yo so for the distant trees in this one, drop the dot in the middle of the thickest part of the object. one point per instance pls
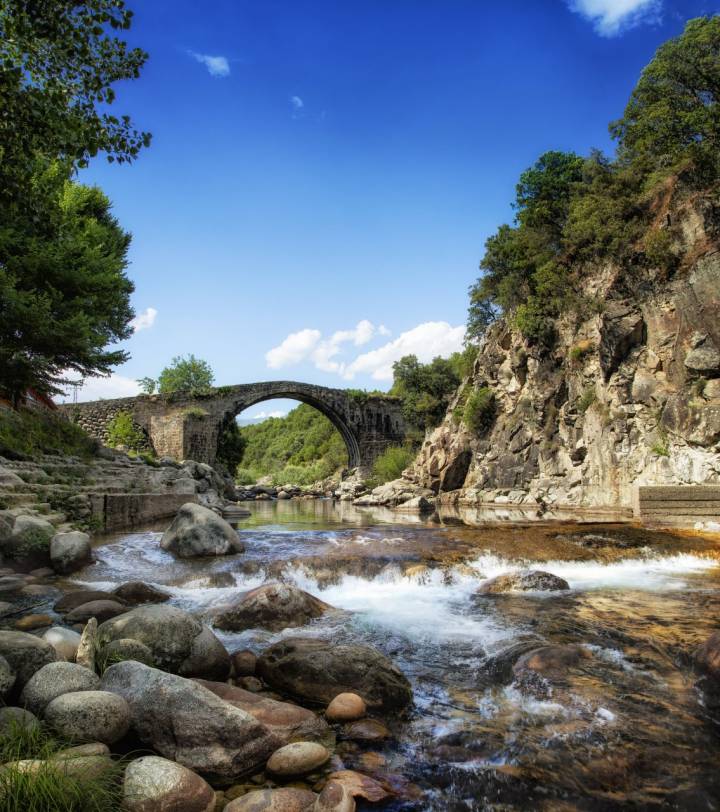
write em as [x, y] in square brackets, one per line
[190, 374]
[571, 210]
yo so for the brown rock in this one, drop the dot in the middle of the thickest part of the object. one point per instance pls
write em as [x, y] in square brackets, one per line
[274, 800]
[71, 600]
[335, 797]
[296, 759]
[366, 730]
[271, 606]
[154, 784]
[551, 661]
[33, 622]
[101, 610]
[243, 663]
[135, 592]
[250, 684]
[525, 581]
[346, 707]
[707, 656]
[361, 786]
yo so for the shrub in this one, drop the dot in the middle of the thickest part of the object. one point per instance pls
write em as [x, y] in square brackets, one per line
[122, 430]
[580, 350]
[479, 411]
[246, 476]
[391, 463]
[586, 400]
[30, 433]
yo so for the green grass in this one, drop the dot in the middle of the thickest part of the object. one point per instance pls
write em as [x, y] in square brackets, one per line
[390, 464]
[31, 433]
[52, 786]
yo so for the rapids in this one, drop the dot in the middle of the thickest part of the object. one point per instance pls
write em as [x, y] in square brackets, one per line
[626, 730]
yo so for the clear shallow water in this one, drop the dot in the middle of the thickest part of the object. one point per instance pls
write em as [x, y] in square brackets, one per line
[626, 730]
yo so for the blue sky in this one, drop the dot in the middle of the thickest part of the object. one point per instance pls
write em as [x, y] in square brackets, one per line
[323, 175]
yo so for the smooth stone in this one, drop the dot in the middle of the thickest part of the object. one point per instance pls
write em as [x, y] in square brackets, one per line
[335, 797]
[101, 610]
[29, 622]
[89, 716]
[296, 759]
[243, 663]
[154, 784]
[366, 730]
[7, 677]
[524, 581]
[70, 551]
[117, 651]
[346, 707]
[198, 531]
[285, 799]
[551, 661]
[17, 717]
[54, 680]
[26, 654]
[270, 606]
[71, 600]
[361, 786]
[137, 592]
[64, 641]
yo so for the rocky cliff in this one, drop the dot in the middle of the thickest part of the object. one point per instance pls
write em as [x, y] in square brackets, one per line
[628, 395]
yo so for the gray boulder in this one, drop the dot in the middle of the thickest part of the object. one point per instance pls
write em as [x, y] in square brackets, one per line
[77, 597]
[318, 670]
[25, 654]
[154, 784]
[64, 641]
[198, 531]
[136, 592]
[102, 610]
[89, 716]
[17, 717]
[179, 642]
[185, 722]
[525, 581]
[54, 680]
[7, 677]
[70, 551]
[117, 651]
[271, 606]
[30, 540]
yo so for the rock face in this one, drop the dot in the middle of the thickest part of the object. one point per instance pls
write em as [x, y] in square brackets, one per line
[286, 721]
[89, 716]
[154, 784]
[54, 680]
[185, 722]
[70, 551]
[317, 671]
[271, 606]
[524, 581]
[198, 531]
[179, 642]
[25, 654]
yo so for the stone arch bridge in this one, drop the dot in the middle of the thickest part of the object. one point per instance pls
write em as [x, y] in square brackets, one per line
[185, 426]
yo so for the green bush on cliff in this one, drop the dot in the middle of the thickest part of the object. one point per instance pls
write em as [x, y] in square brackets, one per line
[122, 430]
[390, 464]
[479, 411]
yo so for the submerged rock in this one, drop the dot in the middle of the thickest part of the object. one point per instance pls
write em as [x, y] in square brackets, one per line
[198, 531]
[551, 661]
[707, 658]
[179, 642]
[524, 581]
[154, 784]
[136, 592]
[184, 721]
[271, 606]
[318, 670]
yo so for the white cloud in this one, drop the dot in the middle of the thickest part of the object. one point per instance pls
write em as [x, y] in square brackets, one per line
[426, 341]
[297, 102]
[144, 320]
[113, 386]
[612, 17]
[217, 66]
[265, 415]
[295, 348]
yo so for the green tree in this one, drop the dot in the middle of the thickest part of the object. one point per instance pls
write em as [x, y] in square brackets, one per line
[64, 295]
[425, 390]
[191, 374]
[122, 430]
[674, 111]
[147, 385]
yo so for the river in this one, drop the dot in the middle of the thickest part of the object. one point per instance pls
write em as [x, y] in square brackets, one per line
[625, 729]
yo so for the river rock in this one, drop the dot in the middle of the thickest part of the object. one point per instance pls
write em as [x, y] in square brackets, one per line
[25, 654]
[707, 657]
[89, 716]
[17, 717]
[198, 531]
[285, 799]
[243, 663]
[335, 797]
[154, 784]
[30, 622]
[137, 592]
[101, 610]
[117, 651]
[346, 708]
[71, 600]
[70, 551]
[361, 786]
[318, 670]
[271, 606]
[64, 641]
[179, 642]
[296, 759]
[287, 721]
[7, 677]
[184, 721]
[551, 661]
[524, 581]
[84, 761]
[498, 667]
[366, 730]
[30, 540]
[53, 680]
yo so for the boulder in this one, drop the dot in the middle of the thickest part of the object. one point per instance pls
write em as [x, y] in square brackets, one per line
[64, 641]
[117, 651]
[418, 504]
[524, 581]
[71, 600]
[53, 680]
[335, 797]
[70, 551]
[198, 531]
[136, 592]
[285, 799]
[551, 661]
[17, 717]
[30, 540]
[179, 642]
[271, 606]
[101, 610]
[346, 708]
[184, 721]
[707, 657]
[287, 721]
[243, 663]
[318, 670]
[7, 678]
[361, 786]
[154, 784]
[296, 759]
[89, 716]
[25, 654]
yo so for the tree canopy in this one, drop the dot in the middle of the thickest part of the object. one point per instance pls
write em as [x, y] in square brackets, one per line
[190, 374]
